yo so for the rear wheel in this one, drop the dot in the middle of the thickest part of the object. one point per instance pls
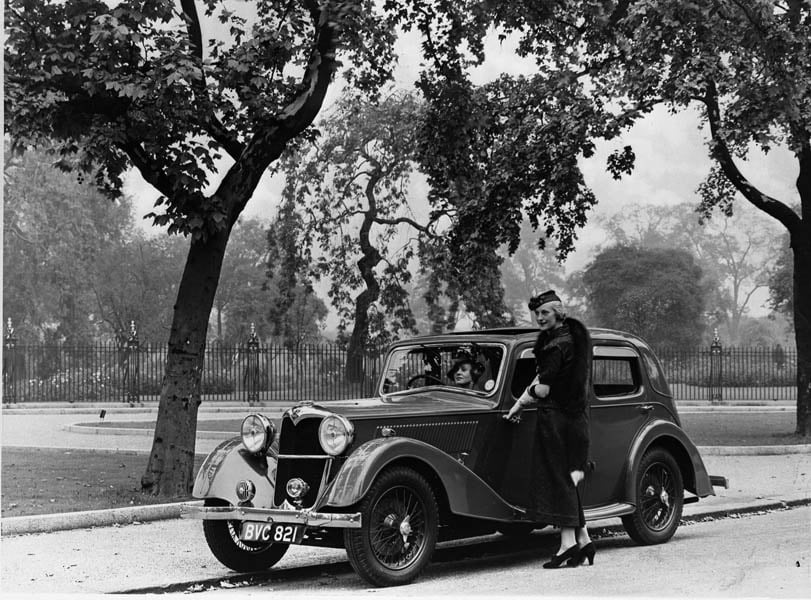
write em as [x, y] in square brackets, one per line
[659, 499]
[223, 540]
[400, 521]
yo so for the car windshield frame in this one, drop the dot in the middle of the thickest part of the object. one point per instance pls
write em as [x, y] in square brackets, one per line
[403, 350]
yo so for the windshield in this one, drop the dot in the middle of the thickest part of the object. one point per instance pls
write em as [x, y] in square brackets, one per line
[469, 366]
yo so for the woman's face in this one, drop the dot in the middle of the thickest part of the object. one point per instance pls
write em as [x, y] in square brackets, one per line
[463, 375]
[546, 317]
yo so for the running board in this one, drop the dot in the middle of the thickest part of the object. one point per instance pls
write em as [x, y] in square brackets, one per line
[607, 512]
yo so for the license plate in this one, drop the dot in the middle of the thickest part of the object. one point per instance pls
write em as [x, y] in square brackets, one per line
[274, 533]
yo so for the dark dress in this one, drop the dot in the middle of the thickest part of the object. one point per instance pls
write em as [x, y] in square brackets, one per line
[563, 358]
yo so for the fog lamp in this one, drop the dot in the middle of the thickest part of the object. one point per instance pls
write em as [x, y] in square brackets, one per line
[246, 490]
[296, 488]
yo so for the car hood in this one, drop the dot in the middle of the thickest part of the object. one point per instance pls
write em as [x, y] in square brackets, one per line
[408, 404]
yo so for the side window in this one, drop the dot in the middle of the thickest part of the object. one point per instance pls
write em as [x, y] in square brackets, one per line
[615, 376]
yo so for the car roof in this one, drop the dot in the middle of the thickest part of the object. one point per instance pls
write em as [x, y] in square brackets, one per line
[520, 333]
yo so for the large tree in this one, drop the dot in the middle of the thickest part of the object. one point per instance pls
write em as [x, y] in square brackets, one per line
[136, 85]
[744, 65]
[352, 187]
[656, 293]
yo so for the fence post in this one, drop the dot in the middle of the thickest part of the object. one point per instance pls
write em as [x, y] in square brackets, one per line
[9, 365]
[251, 377]
[132, 368]
[716, 369]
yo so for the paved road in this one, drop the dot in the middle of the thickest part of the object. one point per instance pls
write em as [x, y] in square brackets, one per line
[755, 555]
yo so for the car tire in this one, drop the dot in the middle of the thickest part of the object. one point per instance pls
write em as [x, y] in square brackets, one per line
[244, 557]
[400, 520]
[659, 499]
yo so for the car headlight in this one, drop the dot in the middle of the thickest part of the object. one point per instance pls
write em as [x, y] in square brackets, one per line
[257, 433]
[335, 434]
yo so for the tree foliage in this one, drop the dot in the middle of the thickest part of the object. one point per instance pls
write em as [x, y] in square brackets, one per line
[58, 237]
[654, 293]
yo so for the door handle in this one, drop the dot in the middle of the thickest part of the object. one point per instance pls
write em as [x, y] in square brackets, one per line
[645, 408]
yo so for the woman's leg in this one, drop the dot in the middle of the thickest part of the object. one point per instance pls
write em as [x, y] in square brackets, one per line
[582, 536]
[568, 538]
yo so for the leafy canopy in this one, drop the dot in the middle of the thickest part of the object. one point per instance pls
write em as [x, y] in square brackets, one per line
[134, 85]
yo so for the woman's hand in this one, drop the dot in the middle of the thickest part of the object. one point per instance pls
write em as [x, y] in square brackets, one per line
[514, 414]
[577, 477]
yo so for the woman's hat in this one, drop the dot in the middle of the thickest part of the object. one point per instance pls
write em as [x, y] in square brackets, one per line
[541, 299]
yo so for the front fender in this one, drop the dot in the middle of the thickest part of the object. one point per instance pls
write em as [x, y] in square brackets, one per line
[671, 437]
[467, 493]
[228, 464]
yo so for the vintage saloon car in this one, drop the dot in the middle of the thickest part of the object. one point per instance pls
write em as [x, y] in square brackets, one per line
[426, 459]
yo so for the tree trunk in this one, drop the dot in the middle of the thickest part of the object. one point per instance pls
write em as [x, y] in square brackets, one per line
[360, 329]
[802, 330]
[170, 470]
[367, 263]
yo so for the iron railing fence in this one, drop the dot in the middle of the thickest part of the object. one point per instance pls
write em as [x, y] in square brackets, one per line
[255, 372]
[250, 373]
[730, 373]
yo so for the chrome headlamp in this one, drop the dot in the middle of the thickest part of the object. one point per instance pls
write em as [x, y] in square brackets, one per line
[257, 433]
[335, 434]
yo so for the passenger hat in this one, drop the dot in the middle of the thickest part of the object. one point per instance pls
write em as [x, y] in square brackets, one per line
[541, 299]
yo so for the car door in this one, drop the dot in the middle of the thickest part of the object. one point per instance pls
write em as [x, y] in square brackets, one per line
[505, 460]
[618, 411]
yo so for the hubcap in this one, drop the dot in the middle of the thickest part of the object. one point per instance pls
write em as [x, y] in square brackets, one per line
[658, 487]
[397, 528]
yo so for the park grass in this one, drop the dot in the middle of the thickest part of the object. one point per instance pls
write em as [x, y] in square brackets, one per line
[45, 481]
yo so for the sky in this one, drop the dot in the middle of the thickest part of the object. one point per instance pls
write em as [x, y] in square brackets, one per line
[671, 162]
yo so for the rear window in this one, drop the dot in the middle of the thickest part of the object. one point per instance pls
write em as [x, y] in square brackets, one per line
[655, 373]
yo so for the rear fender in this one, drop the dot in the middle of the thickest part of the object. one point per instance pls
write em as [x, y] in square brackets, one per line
[466, 492]
[672, 438]
[228, 464]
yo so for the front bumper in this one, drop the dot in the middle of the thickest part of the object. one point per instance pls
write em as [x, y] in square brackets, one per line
[271, 515]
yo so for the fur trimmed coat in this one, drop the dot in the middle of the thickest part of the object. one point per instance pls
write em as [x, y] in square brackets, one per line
[563, 362]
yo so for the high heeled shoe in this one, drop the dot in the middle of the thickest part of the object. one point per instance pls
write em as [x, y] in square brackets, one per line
[567, 556]
[586, 552]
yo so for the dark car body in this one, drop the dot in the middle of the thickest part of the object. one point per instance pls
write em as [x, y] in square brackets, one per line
[450, 450]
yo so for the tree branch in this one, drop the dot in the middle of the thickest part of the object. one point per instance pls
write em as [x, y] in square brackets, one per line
[720, 151]
[214, 126]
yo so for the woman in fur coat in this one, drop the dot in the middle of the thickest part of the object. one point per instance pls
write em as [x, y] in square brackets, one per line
[561, 391]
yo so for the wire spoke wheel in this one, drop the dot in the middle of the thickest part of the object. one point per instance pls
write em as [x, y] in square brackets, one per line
[659, 499]
[400, 522]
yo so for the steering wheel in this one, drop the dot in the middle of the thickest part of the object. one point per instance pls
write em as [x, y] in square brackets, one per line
[429, 380]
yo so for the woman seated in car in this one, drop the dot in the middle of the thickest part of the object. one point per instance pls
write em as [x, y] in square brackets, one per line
[465, 371]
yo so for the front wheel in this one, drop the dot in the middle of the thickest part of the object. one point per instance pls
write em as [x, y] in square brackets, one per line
[244, 557]
[659, 499]
[400, 521]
